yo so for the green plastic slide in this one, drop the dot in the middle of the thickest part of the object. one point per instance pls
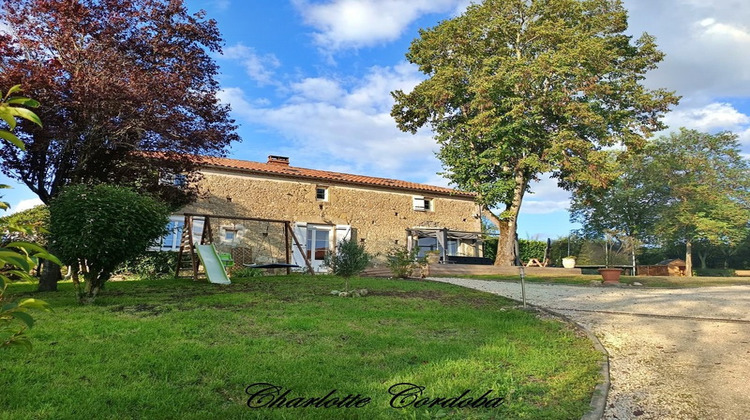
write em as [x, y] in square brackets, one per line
[212, 264]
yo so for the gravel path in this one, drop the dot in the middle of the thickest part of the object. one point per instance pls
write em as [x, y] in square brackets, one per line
[674, 353]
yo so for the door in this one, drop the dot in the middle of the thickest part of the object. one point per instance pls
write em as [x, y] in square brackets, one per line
[315, 240]
[317, 244]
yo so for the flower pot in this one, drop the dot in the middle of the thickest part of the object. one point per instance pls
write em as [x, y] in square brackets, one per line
[611, 275]
[568, 262]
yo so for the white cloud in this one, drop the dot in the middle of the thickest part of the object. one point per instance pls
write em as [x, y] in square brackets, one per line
[334, 125]
[361, 23]
[222, 5]
[260, 68]
[743, 137]
[342, 124]
[373, 93]
[704, 42]
[724, 32]
[462, 5]
[318, 89]
[710, 118]
[544, 206]
[545, 197]
[24, 205]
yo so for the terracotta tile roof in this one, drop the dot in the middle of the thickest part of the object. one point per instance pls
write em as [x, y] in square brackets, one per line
[287, 171]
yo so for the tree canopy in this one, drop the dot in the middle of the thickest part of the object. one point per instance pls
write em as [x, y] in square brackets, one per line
[520, 88]
[709, 189]
[36, 222]
[688, 187]
[116, 78]
[628, 208]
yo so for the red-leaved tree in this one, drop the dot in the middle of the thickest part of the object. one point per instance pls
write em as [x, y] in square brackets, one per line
[117, 80]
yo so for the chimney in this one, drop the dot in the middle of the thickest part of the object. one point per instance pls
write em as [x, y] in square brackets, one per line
[278, 160]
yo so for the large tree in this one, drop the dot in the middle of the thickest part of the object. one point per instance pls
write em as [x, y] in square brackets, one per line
[118, 80]
[113, 77]
[687, 188]
[517, 88]
[708, 181]
[628, 208]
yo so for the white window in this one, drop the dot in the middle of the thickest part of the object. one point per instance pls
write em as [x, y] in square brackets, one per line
[321, 193]
[422, 204]
[177, 180]
[171, 240]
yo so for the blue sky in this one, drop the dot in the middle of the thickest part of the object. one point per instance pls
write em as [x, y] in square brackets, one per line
[311, 80]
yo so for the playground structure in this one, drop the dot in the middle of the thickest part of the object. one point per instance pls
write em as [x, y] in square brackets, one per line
[212, 264]
[236, 242]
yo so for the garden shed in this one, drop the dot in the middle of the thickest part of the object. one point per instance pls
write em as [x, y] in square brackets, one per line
[674, 267]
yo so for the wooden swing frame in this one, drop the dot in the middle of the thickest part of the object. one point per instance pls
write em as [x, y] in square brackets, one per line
[187, 253]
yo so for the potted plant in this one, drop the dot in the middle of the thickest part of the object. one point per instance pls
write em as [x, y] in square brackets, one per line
[433, 257]
[569, 261]
[609, 274]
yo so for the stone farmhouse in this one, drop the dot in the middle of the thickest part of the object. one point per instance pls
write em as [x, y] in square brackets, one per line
[324, 208]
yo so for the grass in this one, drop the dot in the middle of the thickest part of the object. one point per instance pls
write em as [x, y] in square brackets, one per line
[180, 349]
[646, 281]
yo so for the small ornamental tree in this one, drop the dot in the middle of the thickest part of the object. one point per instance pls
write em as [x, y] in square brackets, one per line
[349, 260]
[94, 229]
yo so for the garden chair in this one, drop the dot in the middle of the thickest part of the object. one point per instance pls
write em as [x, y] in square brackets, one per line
[226, 259]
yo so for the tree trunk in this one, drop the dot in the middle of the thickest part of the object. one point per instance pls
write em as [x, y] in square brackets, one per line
[703, 256]
[49, 277]
[689, 259]
[508, 223]
[506, 241]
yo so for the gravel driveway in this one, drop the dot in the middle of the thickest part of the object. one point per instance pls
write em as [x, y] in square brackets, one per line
[674, 353]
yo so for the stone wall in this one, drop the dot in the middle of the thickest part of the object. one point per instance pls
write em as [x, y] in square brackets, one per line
[380, 217]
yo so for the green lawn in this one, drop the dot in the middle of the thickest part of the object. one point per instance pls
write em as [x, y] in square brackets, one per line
[180, 349]
[647, 281]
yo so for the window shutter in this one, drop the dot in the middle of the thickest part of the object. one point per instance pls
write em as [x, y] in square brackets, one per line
[419, 203]
[300, 231]
[343, 232]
